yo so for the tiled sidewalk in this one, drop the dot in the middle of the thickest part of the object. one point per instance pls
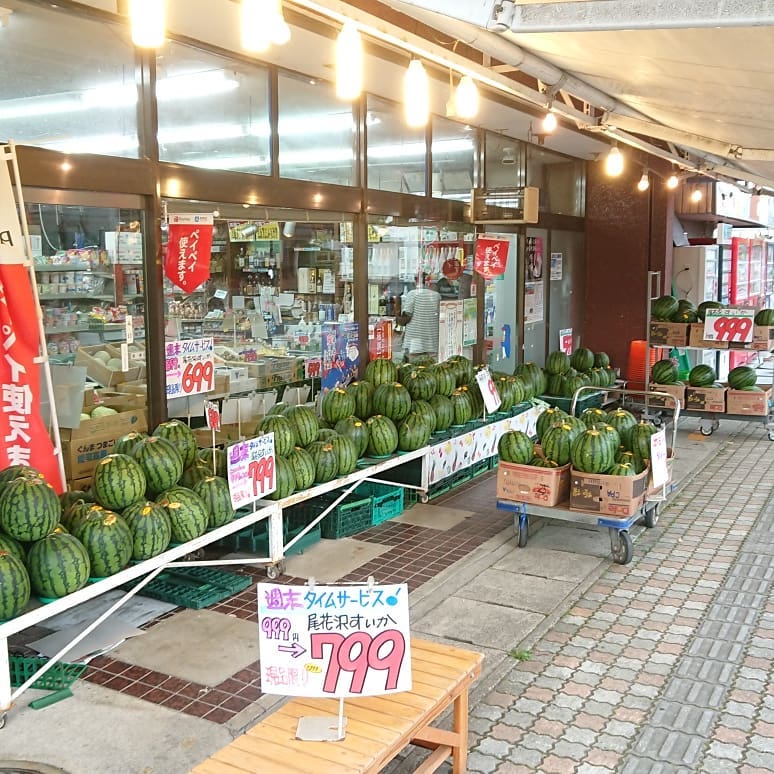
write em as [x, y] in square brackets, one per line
[664, 665]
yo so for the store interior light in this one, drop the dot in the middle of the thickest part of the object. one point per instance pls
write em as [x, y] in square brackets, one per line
[147, 19]
[349, 63]
[263, 24]
[672, 182]
[5, 15]
[614, 162]
[549, 122]
[696, 195]
[644, 182]
[416, 95]
[466, 98]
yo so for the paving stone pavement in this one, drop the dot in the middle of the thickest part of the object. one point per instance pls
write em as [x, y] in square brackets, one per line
[665, 664]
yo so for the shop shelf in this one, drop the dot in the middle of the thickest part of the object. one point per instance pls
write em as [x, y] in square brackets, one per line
[586, 400]
[62, 675]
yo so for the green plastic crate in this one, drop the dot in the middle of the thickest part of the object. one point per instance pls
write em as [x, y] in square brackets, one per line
[460, 477]
[386, 500]
[439, 488]
[62, 675]
[591, 399]
[302, 544]
[183, 588]
[493, 460]
[228, 581]
[348, 518]
[479, 468]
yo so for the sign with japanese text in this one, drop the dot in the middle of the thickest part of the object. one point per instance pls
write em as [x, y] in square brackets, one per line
[251, 470]
[491, 256]
[340, 354]
[492, 399]
[659, 472]
[449, 329]
[190, 365]
[469, 322]
[380, 339]
[534, 257]
[334, 641]
[25, 438]
[187, 261]
[734, 325]
[565, 341]
[212, 415]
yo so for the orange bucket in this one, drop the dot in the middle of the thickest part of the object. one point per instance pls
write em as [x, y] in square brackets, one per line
[638, 362]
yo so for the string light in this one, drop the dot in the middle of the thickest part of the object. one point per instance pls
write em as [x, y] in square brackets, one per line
[549, 122]
[466, 98]
[147, 22]
[614, 162]
[696, 195]
[349, 63]
[263, 24]
[672, 182]
[416, 95]
[644, 182]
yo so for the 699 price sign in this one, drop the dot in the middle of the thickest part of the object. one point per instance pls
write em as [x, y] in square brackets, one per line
[190, 366]
[334, 641]
[251, 470]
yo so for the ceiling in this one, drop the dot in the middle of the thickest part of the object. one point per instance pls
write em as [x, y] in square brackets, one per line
[695, 77]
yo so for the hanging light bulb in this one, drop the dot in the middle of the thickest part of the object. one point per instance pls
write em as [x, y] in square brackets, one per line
[466, 98]
[349, 63]
[614, 162]
[416, 94]
[644, 181]
[256, 31]
[672, 182]
[696, 195]
[147, 21]
[549, 122]
[280, 30]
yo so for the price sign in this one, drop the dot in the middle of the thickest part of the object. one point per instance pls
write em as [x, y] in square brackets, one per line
[212, 415]
[334, 640]
[489, 392]
[733, 325]
[190, 367]
[129, 329]
[251, 470]
[659, 473]
[565, 341]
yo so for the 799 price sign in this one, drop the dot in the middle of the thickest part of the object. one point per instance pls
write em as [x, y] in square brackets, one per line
[251, 470]
[731, 325]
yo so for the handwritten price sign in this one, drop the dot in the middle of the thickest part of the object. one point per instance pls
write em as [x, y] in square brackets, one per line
[733, 325]
[334, 640]
[190, 366]
[489, 392]
[251, 470]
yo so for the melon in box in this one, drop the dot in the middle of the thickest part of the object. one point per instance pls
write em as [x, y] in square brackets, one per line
[619, 496]
[530, 484]
[103, 365]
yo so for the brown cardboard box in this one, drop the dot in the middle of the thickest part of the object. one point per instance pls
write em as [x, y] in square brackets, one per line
[99, 372]
[529, 484]
[84, 447]
[705, 399]
[613, 495]
[669, 334]
[696, 338]
[121, 401]
[754, 404]
[763, 337]
[677, 391]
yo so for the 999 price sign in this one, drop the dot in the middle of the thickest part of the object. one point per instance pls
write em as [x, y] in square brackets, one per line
[334, 640]
[190, 367]
[732, 325]
[251, 470]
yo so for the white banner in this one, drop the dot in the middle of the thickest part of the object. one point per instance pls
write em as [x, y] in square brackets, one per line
[11, 241]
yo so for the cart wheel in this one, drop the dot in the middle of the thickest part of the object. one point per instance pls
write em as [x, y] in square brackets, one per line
[650, 516]
[771, 435]
[522, 530]
[623, 549]
[715, 424]
[424, 498]
[705, 430]
[657, 421]
[273, 571]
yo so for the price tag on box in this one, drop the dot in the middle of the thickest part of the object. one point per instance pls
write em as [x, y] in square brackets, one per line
[732, 325]
[659, 471]
[251, 470]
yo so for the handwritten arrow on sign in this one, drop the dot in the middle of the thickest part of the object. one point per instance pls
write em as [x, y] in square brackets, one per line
[295, 650]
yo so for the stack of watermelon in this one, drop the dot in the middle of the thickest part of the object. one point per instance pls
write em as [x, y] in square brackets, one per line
[670, 309]
[564, 374]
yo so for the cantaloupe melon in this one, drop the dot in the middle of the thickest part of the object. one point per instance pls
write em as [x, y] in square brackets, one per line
[114, 364]
[102, 355]
[102, 411]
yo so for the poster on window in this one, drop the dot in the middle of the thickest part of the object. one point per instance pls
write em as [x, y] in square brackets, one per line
[340, 354]
[534, 258]
[533, 302]
[450, 324]
[469, 321]
[187, 262]
[491, 255]
[556, 266]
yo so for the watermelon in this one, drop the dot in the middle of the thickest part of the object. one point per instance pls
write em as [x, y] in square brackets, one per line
[557, 363]
[573, 384]
[541, 462]
[420, 383]
[601, 360]
[476, 399]
[150, 527]
[444, 411]
[392, 400]
[119, 481]
[337, 404]
[284, 478]
[741, 377]
[181, 437]
[346, 454]
[663, 308]
[126, 443]
[382, 436]
[381, 371]
[515, 446]
[220, 466]
[445, 378]
[702, 376]
[684, 315]
[18, 471]
[194, 473]
[82, 515]
[461, 405]
[363, 393]
[547, 418]
[14, 585]
[29, 508]
[533, 378]
[592, 416]
[7, 543]
[664, 372]
[413, 432]
[355, 429]
[463, 368]
[623, 421]
[216, 496]
[284, 433]
[623, 469]
[304, 423]
[582, 359]
[187, 513]
[108, 542]
[73, 496]
[640, 440]
[764, 317]
[326, 463]
[591, 452]
[426, 411]
[160, 462]
[556, 385]
[625, 456]
[557, 443]
[701, 309]
[303, 468]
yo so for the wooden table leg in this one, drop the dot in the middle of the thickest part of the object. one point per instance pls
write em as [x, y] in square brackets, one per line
[460, 753]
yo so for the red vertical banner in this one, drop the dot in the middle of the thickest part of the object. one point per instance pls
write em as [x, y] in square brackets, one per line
[380, 340]
[187, 261]
[491, 256]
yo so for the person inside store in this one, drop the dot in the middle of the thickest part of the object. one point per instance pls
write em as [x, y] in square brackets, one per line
[420, 310]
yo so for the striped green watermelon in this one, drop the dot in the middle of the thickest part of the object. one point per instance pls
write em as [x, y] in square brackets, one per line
[326, 434]
[278, 408]
[601, 360]
[220, 467]
[573, 384]
[557, 363]
[476, 399]
[623, 469]
[592, 416]
[160, 462]
[582, 359]
[73, 496]
[14, 586]
[216, 495]
[701, 309]
[381, 371]
[58, 565]
[548, 418]
[326, 464]
[463, 367]
[303, 468]
[556, 385]
[29, 508]
[623, 421]
[515, 446]
[18, 471]
[542, 462]
[13, 546]
[684, 315]
[533, 377]
[425, 410]
[363, 393]
[346, 454]
[108, 542]
[420, 382]
[663, 308]
[126, 443]
[284, 479]
[118, 481]
[505, 389]
[591, 452]
[741, 377]
[382, 436]
[624, 456]
[444, 411]
[80, 515]
[640, 439]
[610, 434]
[764, 317]
[150, 527]
[337, 404]
[392, 400]
[355, 429]
[304, 424]
[557, 443]
[284, 433]
[445, 378]
[461, 405]
[702, 376]
[187, 513]
[664, 372]
[413, 432]
[195, 473]
[181, 437]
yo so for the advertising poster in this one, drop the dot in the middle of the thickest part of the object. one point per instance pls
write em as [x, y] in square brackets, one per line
[449, 330]
[340, 354]
[334, 640]
[469, 322]
[190, 366]
[534, 258]
[380, 339]
[533, 302]
[491, 256]
[565, 341]
[187, 262]
[556, 266]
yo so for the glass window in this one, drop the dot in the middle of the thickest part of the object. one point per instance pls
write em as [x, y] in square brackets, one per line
[504, 163]
[316, 132]
[68, 83]
[396, 152]
[453, 150]
[561, 180]
[213, 112]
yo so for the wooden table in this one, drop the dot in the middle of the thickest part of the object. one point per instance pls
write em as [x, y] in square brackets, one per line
[378, 727]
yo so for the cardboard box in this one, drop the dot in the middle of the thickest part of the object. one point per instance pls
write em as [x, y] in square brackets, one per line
[754, 404]
[120, 401]
[696, 338]
[677, 391]
[763, 337]
[529, 484]
[669, 334]
[613, 495]
[99, 372]
[85, 446]
[705, 399]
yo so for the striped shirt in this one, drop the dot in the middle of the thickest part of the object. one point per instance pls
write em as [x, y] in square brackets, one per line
[421, 334]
